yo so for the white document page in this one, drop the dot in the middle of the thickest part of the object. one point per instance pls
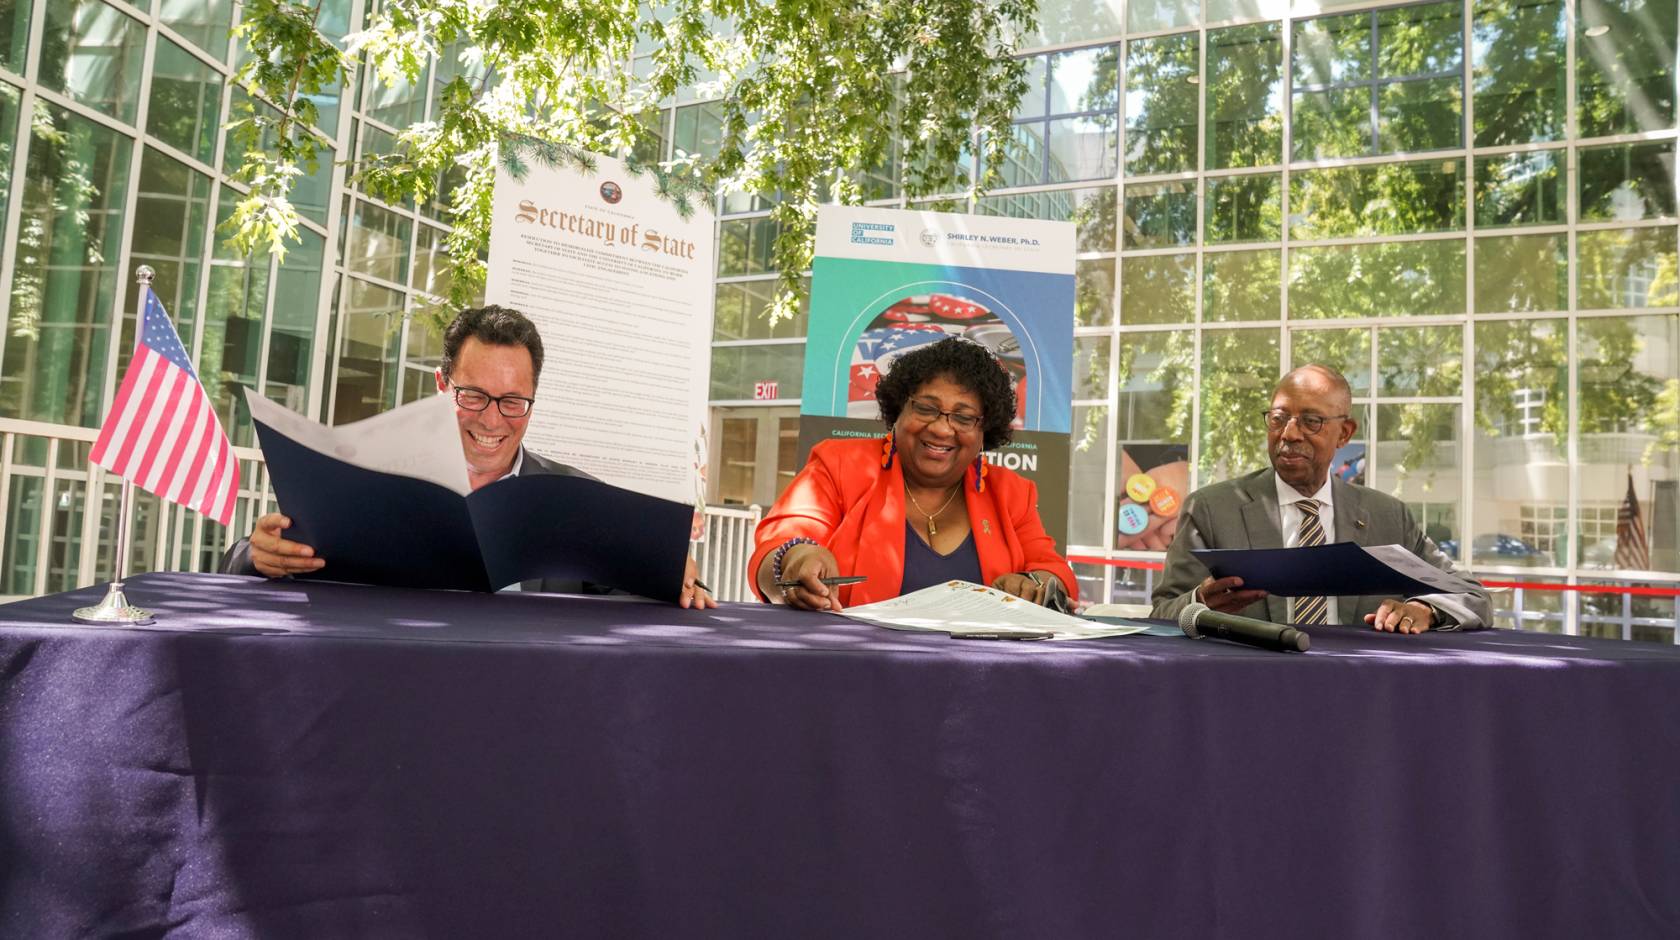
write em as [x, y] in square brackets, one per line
[419, 440]
[1410, 565]
[962, 608]
[620, 287]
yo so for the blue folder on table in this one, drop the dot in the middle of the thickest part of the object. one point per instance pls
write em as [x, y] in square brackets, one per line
[387, 529]
[1337, 569]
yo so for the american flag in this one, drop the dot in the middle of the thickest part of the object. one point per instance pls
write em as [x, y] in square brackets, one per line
[1632, 550]
[162, 433]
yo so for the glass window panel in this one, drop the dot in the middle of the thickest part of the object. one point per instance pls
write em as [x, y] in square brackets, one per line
[171, 212]
[742, 312]
[1242, 285]
[1142, 15]
[1423, 278]
[1081, 149]
[23, 535]
[365, 368]
[1627, 182]
[1093, 296]
[1085, 80]
[310, 191]
[1624, 66]
[1421, 361]
[1244, 209]
[1152, 419]
[1521, 189]
[1420, 115]
[737, 459]
[1333, 123]
[291, 336]
[1161, 104]
[1032, 103]
[64, 553]
[1239, 368]
[1090, 367]
[378, 243]
[65, 275]
[1062, 21]
[185, 97]
[1521, 423]
[1023, 163]
[1219, 11]
[1332, 50]
[746, 246]
[1346, 351]
[1091, 210]
[1426, 39]
[1522, 273]
[1628, 379]
[1245, 88]
[1626, 268]
[1158, 289]
[433, 271]
[398, 103]
[1087, 473]
[736, 369]
[8, 146]
[233, 326]
[1418, 462]
[1519, 62]
[1160, 215]
[92, 53]
[699, 129]
[1386, 199]
[204, 23]
[14, 35]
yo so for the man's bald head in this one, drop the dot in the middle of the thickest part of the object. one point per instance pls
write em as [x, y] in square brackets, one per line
[1314, 374]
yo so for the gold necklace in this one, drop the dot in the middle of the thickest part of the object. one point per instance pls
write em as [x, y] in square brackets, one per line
[933, 530]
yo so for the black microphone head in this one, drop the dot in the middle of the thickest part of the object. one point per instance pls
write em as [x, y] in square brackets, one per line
[1187, 619]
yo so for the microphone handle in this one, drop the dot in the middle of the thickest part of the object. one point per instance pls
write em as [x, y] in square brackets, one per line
[1253, 632]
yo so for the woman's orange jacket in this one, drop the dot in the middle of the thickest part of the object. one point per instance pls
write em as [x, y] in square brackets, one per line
[855, 509]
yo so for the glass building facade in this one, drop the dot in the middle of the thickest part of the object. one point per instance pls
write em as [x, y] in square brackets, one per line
[1467, 206]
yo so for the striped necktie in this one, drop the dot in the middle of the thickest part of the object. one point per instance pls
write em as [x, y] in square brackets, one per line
[1309, 610]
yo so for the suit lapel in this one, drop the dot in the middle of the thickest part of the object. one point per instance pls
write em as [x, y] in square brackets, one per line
[1260, 522]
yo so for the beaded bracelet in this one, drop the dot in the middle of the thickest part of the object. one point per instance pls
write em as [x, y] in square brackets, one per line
[782, 550]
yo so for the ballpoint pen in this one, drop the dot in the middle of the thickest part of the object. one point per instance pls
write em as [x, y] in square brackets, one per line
[1007, 635]
[831, 582]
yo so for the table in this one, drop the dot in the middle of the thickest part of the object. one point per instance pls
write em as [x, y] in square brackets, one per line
[290, 759]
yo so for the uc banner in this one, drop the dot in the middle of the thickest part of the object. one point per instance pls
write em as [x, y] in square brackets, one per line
[885, 281]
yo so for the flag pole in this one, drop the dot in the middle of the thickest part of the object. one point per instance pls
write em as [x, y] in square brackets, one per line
[114, 608]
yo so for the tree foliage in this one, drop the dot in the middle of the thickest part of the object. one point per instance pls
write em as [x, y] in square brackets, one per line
[811, 93]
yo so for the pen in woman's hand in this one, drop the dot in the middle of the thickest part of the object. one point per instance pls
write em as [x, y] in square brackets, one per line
[831, 582]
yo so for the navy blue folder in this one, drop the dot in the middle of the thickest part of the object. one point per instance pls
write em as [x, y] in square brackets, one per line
[382, 528]
[1340, 568]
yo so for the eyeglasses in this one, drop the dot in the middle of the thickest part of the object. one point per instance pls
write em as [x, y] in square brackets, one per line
[477, 399]
[1278, 419]
[928, 413]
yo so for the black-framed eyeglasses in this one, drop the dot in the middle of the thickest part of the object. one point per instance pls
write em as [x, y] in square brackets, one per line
[1277, 419]
[928, 413]
[477, 399]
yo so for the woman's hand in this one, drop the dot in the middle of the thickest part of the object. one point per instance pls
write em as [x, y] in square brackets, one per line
[1023, 586]
[808, 564]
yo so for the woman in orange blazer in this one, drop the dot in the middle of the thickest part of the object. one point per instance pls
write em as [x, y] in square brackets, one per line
[918, 507]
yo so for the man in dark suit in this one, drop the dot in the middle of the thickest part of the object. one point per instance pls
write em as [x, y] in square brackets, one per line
[491, 359]
[1298, 502]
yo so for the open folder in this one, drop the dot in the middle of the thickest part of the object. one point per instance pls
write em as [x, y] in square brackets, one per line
[1340, 568]
[386, 501]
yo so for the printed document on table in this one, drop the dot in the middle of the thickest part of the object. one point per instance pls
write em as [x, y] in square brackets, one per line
[419, 440]
[961, 608]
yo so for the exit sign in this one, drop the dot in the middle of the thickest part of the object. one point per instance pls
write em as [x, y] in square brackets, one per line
[765, 391]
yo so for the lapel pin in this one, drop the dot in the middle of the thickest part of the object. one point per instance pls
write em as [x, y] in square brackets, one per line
[1359, 523]
[986, 526]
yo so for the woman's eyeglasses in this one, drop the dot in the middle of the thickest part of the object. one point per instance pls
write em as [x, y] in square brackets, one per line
[928, 413]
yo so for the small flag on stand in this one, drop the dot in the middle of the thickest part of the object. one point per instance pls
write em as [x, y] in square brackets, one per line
[1632, 549]
[162, 433]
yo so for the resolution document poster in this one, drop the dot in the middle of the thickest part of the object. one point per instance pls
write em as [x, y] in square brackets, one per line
[885, 281]
[620, 286]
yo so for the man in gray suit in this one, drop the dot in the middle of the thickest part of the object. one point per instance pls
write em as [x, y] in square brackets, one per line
[1298, 502]
[491, 359]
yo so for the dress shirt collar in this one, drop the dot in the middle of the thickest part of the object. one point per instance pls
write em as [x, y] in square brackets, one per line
[518, 461]
[1289, 496]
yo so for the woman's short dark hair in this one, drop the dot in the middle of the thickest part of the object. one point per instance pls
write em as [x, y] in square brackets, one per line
[966, 363]
[493, 326]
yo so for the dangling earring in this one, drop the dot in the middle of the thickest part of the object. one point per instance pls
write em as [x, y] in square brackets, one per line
[888, 449]
[980, 474]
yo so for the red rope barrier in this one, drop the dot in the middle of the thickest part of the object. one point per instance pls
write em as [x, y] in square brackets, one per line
[1635, 590]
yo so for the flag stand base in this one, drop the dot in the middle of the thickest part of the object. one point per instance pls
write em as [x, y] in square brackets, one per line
[113, 609]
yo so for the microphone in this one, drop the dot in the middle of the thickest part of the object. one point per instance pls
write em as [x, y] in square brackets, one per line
[1197, 620]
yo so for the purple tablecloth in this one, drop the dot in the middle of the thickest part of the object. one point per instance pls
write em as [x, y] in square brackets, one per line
[319, 760]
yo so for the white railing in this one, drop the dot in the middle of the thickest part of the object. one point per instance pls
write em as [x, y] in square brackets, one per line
[722, 555]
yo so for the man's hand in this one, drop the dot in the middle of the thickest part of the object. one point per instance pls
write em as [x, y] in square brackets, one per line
[1022, 586]
[1226, 595]
[1400, 616]
[693, 595]
[808, 564]
[277, 557]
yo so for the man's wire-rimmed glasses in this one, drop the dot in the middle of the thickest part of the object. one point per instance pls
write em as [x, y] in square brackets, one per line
[1277, 419]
